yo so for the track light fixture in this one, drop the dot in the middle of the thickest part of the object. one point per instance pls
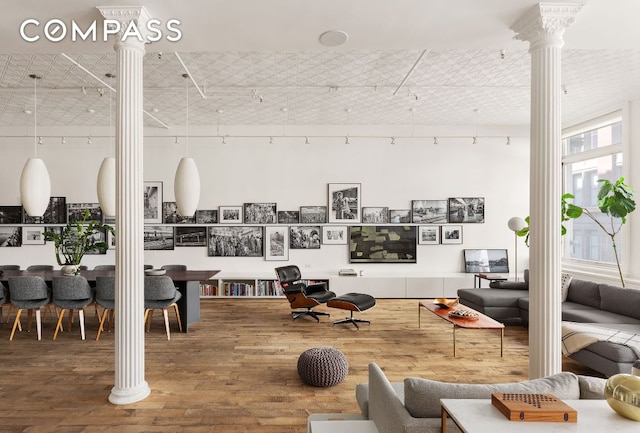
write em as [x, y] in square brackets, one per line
[475, 140]
[346, 140]
[270, 140]
[508, 141]
[435, 140]
[393, 140]
[306, 140]
[224, 141]
[90, 140]
[40, 140]
[64, 140]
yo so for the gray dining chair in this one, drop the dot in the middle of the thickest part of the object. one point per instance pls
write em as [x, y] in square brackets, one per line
[40, 268]
[175, 267]
[4, 298]
[28, 293]
[104, 268]
[106, 298]
[71, 293]
[9, 267]
[160, 293]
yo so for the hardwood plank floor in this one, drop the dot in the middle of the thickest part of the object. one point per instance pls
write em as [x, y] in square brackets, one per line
[236, 369]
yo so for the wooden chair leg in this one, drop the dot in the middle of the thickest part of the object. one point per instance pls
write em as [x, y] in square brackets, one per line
[39, 323]
[81, 320]
[146, 317]
[59, 324]
[102, 319]
[30, 316]
[165, 314]
[175, 308]
[15, 323]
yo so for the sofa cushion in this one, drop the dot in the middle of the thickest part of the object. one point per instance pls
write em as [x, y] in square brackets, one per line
[584, 292]
[512, 285]
[619, 300]
[422, 396]
[591, 388]
[362, 395]
[593, 315]
[492, 297]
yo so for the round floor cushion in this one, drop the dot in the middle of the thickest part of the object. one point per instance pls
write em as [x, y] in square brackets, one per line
[323, 366]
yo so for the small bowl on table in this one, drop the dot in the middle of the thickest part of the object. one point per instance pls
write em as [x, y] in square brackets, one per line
[446, 302]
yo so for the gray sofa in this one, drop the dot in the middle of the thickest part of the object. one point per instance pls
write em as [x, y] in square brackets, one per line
[413, 406]
[587, 302]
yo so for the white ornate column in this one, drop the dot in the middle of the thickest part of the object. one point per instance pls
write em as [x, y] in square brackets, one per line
[543, 27]
[130, 385]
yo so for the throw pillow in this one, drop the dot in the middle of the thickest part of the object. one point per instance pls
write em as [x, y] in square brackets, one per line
[566, 280]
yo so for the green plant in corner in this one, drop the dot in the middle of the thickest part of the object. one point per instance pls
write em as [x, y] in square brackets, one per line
[76, 239]
[615, 200]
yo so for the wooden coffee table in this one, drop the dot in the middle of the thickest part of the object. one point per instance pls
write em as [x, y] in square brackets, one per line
[482, 321]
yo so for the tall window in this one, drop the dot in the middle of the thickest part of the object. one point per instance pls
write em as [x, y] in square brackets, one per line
[592, 151]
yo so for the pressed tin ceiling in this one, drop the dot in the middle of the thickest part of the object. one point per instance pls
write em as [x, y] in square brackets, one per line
[251, 63]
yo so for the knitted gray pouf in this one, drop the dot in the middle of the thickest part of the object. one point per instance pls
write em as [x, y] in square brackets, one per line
[323, 366]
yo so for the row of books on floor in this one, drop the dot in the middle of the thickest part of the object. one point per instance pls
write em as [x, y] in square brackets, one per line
[229, 288]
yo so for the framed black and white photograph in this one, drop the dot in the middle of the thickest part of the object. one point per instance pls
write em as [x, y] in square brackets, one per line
[153, 202]
[10, 214]
[375, 215]
[276, 243]
[111, 239]
[334, 235]
[344, 202]
[288, 217]
[260, 213]
[313, 214]
[486, 260]
[158, 238]
[230, 214]
[429, 235]
[98, 235]
[451, 234]
[206, 216]
[56, 213]
[429, 211]
[33, 235]
[190, 236]
[75, 212]
[234, 241]
[400, 216]
[466, 209]
[304, 237]
[170, 214]
[10, 236]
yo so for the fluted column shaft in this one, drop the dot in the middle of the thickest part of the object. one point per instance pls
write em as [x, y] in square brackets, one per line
[130, 385]
[543, 26]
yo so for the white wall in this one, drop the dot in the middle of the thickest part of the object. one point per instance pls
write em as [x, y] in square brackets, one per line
[294, 174]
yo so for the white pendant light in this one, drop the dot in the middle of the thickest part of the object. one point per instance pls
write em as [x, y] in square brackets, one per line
[106, 184]
[186, 185]
[35, 187]
[35, 184]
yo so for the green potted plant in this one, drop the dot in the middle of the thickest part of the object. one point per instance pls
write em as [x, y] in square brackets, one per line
[75, 240]
[615, 199]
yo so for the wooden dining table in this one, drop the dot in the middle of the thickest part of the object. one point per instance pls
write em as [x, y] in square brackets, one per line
[187, 282]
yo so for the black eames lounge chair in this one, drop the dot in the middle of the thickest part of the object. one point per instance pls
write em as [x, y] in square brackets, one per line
[301, 295]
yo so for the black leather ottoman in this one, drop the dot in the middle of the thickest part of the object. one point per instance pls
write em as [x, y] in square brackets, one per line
[352, 302]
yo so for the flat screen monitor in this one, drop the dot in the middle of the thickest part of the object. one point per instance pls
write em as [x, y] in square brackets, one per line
[382, 244]
[486, 260]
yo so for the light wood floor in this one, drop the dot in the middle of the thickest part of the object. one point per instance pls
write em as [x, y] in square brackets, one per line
[236, 369]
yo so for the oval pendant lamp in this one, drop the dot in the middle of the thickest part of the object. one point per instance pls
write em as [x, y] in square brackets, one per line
[186, 185]
[35, 184]
[106, 184]
[35, 187]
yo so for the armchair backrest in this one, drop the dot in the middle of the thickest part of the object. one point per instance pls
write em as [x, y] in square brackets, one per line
[288, 274]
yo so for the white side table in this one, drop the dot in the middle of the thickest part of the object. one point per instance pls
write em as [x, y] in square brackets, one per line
[339, 423]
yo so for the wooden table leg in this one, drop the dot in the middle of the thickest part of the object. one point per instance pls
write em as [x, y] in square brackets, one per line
[454, 340]
[501, 341]
[443, 420]
[418, 314]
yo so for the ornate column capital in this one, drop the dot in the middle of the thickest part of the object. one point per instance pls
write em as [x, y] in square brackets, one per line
[545, 23]
[129, 23]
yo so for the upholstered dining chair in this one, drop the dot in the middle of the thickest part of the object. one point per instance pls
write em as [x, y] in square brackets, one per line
[301, 295]
[106, 298]
[104, 268]
[159, 294]
[175, 267]
[4, 298]
[71, 293]
[28, 293]
[40, 268]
